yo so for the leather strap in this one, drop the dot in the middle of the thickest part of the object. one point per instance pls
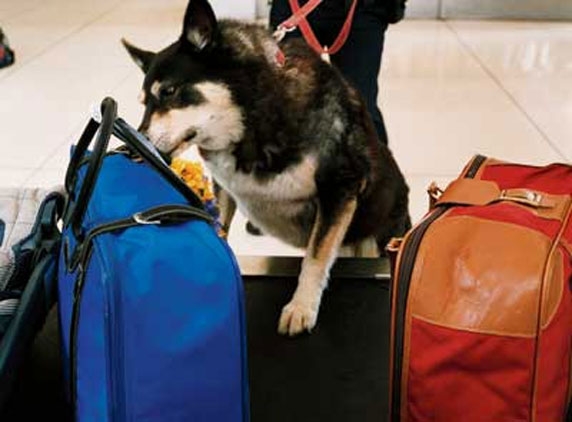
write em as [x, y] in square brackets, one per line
[474, 192]
[568, 246]
[299, 15]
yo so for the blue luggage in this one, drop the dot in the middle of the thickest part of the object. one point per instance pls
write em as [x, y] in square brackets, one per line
[150, 298]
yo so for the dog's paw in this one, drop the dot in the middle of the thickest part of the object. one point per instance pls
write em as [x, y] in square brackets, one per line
[296, 318]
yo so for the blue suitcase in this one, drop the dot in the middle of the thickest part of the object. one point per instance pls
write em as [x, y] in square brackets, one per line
[150, 298]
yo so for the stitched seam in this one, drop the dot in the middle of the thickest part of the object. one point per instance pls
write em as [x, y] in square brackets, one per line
[551, 255]
[472, 330]
[555, 310]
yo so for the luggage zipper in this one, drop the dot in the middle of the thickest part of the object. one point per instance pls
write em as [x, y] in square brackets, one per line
[406, 265]
[165, 214]
[242, 319]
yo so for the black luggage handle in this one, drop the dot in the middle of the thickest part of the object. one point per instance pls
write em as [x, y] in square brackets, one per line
[76, 206]
[143, 147]
[110, 124]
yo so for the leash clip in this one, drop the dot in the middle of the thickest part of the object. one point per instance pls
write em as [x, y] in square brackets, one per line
[325, 55]
[281, 32]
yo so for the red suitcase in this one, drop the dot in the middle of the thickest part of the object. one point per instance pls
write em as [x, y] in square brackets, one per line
[482, 302]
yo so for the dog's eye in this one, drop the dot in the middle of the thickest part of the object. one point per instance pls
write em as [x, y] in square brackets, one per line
[168, 91]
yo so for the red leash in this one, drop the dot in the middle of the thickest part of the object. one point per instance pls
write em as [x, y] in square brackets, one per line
[299, 15]
[299, 19]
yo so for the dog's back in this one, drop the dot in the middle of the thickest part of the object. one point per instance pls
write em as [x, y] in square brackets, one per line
[306, 108]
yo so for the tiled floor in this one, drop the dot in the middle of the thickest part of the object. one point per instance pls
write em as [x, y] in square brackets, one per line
[449, 90]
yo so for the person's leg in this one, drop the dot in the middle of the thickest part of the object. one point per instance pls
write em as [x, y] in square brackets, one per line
[279, 12]
[360, 61]
[360, 58]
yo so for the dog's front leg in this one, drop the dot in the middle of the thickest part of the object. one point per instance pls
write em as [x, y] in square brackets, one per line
[226, 206]
[327, 236]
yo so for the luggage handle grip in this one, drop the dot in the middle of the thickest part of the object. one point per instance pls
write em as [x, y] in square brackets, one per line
[76, 206]
[105, 119]
[472, 192]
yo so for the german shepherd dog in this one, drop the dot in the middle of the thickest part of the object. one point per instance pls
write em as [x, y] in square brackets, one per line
[291, 144]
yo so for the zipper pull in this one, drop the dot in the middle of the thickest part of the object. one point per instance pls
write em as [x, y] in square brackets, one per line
[79, 281]
[392, 250]
[435, 193]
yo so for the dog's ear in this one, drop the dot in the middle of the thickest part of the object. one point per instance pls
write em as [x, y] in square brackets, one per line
[199, 26]
[142, 58]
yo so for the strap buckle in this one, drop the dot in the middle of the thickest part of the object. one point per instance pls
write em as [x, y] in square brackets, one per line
[139, 218]
[523, 196]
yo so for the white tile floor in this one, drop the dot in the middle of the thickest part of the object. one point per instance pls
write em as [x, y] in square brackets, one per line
[449, 90]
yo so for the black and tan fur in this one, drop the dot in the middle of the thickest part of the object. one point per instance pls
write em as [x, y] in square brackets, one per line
[292, 146]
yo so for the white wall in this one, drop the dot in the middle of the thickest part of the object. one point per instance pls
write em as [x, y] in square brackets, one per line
[262, 8]
[236, 9]
[509, 9]
[490, 9]
[422, 9]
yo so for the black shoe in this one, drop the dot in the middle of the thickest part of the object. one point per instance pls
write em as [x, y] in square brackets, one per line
[252, 229]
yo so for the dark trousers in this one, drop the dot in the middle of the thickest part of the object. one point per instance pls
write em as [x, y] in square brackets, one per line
[359, 60]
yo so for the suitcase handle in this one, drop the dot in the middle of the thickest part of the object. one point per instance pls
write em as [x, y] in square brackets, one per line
[145, 149]
[109, 124]
[76, 206]
[475, 192]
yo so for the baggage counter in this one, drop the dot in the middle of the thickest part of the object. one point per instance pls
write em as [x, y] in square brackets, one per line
[339, 372]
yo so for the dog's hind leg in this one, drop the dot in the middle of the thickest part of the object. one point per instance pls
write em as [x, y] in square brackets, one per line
[397, 224]
[326, 238]
[366, 248]
[226, 206]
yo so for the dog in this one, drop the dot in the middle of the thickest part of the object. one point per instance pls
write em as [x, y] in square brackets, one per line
[290, 143]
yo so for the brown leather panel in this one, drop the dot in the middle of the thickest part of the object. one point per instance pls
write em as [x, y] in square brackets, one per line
[470, 192]
[479, 275]
[553, 288]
